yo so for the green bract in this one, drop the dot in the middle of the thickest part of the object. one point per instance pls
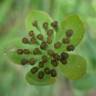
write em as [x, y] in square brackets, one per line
[75, 68]
[47, 48]
[40, 17]
[11, 51]
[74, 23]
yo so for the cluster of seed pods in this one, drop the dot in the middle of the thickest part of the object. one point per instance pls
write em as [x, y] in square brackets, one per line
[46, 54]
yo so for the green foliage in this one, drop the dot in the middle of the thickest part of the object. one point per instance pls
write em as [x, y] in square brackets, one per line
[41, 18]
[13, 14]
[75, 68]
[74, 23]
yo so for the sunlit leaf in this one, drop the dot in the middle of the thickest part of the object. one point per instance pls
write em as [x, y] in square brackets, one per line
[11, 51]
[75, 68]
[74, 23]
[41, 18]
[71, 23]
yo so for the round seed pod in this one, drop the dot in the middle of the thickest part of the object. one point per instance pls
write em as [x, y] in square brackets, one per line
[50, 52]
[31, 33]
[25, 40]
[41, 64]
[26, 51]
[49, 39]
[32, 61]
[33, 40]
[54, 62]
[50, 32]
[53, 72]
[44, 59]
[64, 56]
[43, 45]
[34, 70]
[66, 40]
[47, 70]
[54, 25]
[56, 56]
[20, 51]
[35, 23]
[40, 37]
[57, 45]
[24, 61]
[36, 51]
[70, 47]
[69, 33]
[40, 75]
[45, 25]
[63, 61]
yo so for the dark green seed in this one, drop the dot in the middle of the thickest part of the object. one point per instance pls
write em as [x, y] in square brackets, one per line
[45, 26]
[50, 32]
[31, 33]
[66, 40]
[69, 33]
[70, 47]
[63, 61]
[49, 39]
[57, 45]
[26, 51]
[44, 59]
[40, 75]
[33, 40]
[43, 45]
[64, 55]
[20, 51]
[53, 73]
[32, 61]
[54, 25]
[36, 51]
[50, 52]
[24, 61]
[34, 69]
[54, 62]
[40, 37]
[35, 24]
[47, 70]
[41, 64]
[56, 56]
[25, 40]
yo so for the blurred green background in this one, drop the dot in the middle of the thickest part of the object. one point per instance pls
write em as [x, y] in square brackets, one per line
[12, 17]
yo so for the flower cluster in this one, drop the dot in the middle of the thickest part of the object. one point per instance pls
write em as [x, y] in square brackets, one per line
[51, 46]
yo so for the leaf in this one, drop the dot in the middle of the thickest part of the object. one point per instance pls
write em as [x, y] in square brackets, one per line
[41, 18]
[74, 23]
[33, 80]
[75, 68]
[11, 51]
